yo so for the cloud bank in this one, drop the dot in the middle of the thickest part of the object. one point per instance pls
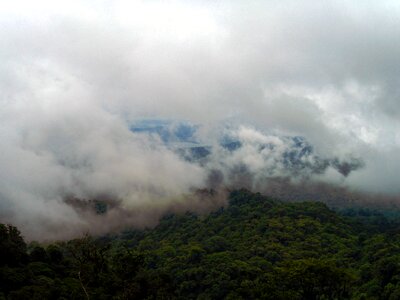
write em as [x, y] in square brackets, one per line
[76, 74]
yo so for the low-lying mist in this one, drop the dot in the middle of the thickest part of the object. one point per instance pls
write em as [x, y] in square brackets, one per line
[298, 101]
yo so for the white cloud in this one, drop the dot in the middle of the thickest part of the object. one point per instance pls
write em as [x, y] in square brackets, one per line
[75, 73]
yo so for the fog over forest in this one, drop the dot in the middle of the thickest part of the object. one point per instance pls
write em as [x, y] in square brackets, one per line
[301, 93]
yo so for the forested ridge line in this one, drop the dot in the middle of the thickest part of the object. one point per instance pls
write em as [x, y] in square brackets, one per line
[256, 248]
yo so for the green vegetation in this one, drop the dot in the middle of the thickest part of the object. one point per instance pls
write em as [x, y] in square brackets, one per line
[256, 248]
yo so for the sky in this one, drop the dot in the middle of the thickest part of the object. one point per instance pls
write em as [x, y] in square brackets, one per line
[74, 75]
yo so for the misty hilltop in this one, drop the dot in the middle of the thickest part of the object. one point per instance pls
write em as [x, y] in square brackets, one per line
[129, 108]
[293, 154]
[256, 248]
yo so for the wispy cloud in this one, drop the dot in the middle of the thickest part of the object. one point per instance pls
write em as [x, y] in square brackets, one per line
[75, 75]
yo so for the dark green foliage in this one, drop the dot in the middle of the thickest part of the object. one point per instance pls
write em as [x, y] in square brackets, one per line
[12, 246]
[38, 254]
[256, 248]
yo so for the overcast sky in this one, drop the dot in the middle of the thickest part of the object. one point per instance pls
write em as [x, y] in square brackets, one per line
[75, 74]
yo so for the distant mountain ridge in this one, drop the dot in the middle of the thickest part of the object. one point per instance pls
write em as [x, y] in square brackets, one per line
[181, 137]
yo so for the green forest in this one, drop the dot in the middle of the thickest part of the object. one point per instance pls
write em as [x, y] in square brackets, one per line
[255, 248]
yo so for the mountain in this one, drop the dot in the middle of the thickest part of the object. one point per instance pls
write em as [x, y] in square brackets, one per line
[256, 248]
[297, 156]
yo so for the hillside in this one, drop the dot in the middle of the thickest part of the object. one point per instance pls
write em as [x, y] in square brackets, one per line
[256, 248]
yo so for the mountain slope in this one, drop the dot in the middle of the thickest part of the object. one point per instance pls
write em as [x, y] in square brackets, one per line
[256, 248]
